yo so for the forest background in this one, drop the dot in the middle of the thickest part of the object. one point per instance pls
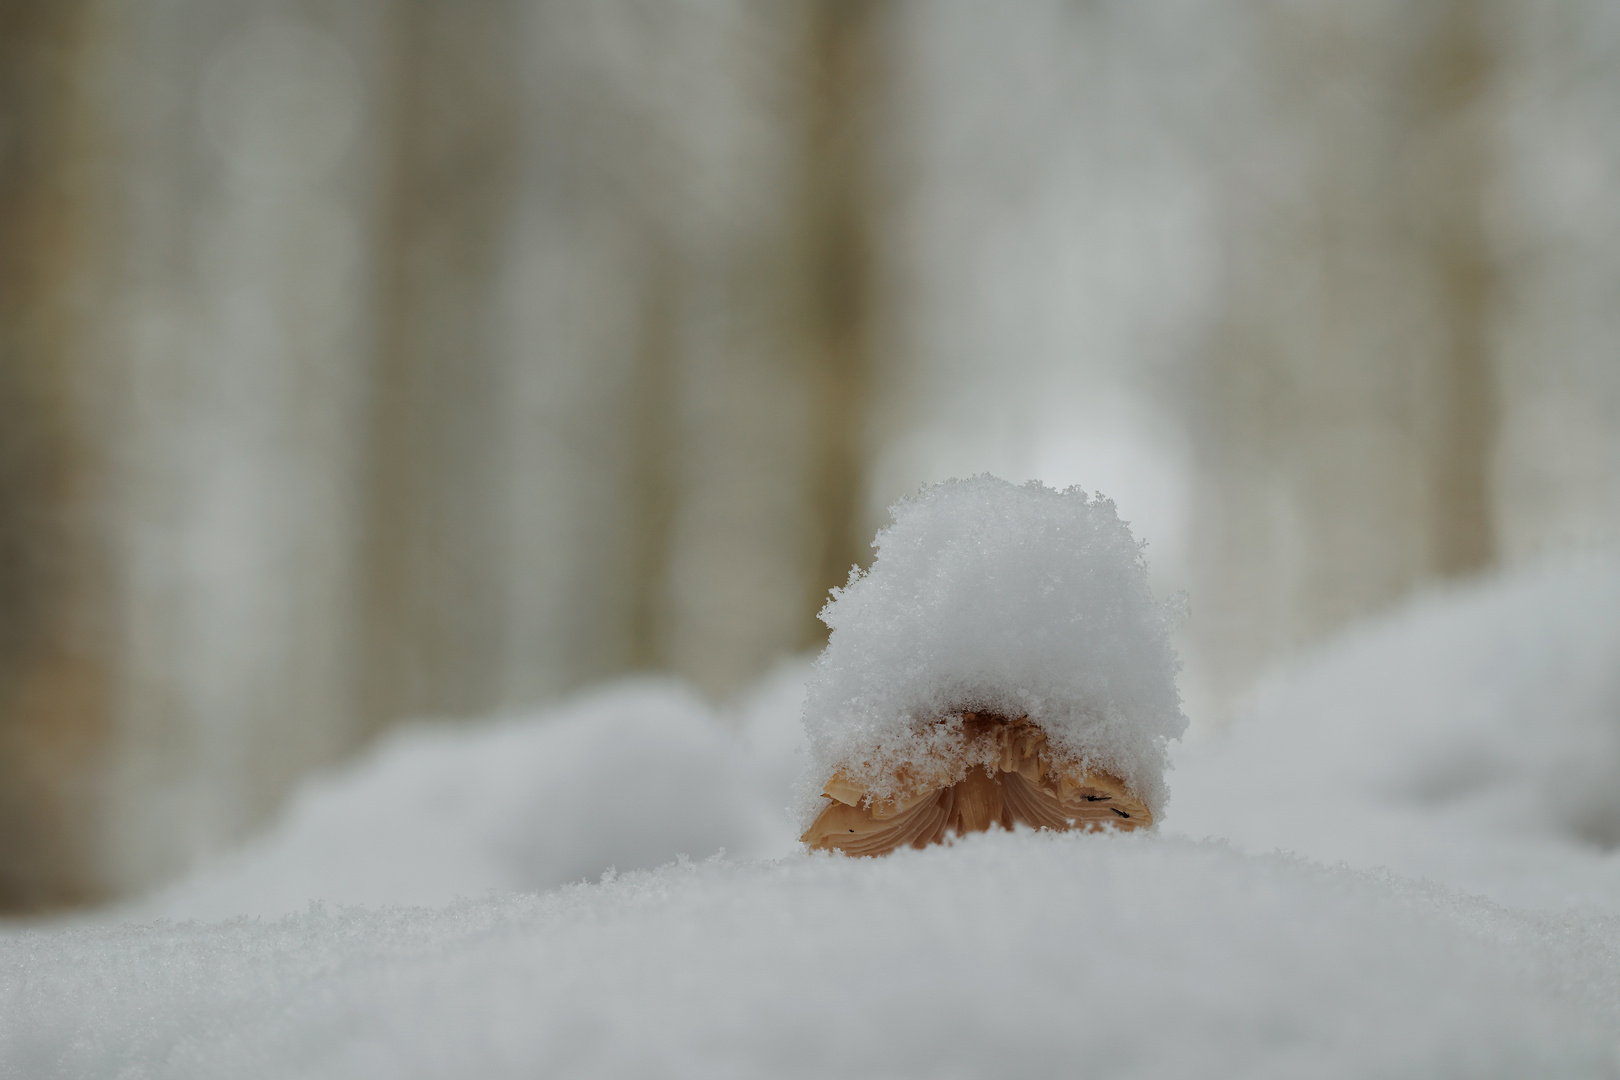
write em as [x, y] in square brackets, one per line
[388, 359]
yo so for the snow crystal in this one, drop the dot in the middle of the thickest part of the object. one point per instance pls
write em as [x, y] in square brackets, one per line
[992, 597]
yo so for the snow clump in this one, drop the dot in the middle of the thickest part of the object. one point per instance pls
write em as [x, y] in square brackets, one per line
[987, 596]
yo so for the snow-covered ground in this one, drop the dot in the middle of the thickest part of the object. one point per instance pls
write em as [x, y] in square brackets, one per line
[1470, 743]
[1021, 955]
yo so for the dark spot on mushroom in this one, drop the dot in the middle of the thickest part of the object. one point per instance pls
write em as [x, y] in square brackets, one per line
[1118, 811]
[1099, 798]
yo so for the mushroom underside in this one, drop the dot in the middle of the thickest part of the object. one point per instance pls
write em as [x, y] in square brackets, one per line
[1013, 780]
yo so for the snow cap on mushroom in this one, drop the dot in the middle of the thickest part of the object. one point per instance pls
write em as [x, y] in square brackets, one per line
[987, 596]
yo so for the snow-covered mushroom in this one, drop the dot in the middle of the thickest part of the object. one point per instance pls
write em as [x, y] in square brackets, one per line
[1002, 662]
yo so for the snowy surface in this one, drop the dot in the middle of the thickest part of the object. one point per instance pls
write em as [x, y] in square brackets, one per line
[1469, 741]
[1011, 599]
[629, 776]
[1021, 955]
[1472, 738]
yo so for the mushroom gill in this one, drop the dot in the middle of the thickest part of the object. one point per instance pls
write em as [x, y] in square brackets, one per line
[1013, 777]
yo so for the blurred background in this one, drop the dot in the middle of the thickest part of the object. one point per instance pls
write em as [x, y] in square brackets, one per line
[380, 359]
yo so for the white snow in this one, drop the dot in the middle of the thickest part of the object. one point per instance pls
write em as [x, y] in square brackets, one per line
[1472, 737]
[629, 776]
[1006, 955]
[1013, 599]
[1469, 738]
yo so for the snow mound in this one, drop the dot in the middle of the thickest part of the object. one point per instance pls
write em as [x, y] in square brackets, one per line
[1473, 736]
[629, 776]
[991, 597]
[1006, 955]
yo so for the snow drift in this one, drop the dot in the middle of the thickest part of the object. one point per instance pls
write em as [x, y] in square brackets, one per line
[629, 776]
[1472, 736]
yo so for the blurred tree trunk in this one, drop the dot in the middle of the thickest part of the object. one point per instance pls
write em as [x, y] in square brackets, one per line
[53, 656]
[845, 87]
[1346, 413]
[235, 163]
[1556, 222]
[1451, 161]
[770, 427]
[433, 570]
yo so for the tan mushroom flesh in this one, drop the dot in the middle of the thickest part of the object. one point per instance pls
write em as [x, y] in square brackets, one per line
[1021, 783]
